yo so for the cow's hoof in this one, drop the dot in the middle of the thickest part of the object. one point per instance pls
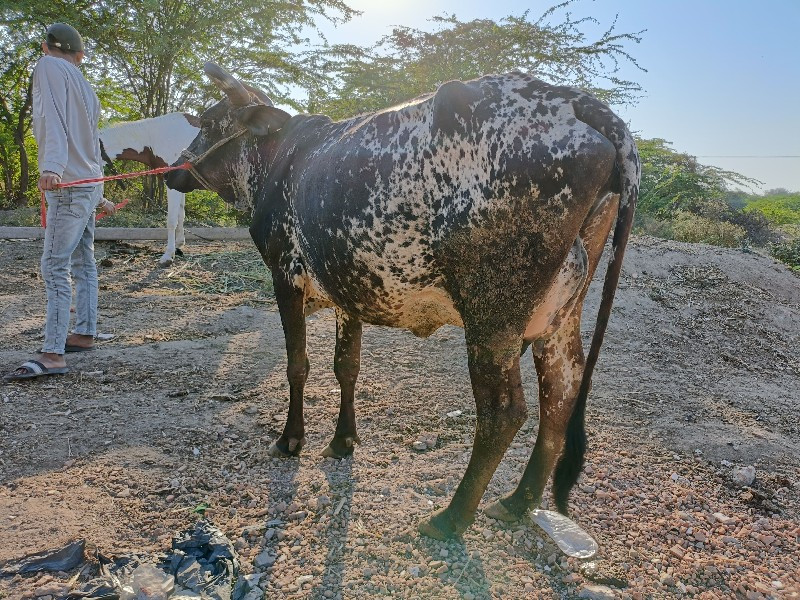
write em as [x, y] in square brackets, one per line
[165, 261]
[341, 447]
[441, 527]
[498, 510]
[283, 448]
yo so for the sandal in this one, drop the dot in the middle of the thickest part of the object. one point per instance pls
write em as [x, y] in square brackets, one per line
[32, 369]
[74, 348]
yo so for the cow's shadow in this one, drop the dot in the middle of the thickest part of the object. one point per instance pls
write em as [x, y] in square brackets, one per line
[280, 498]
[339, 474]
[470, 574]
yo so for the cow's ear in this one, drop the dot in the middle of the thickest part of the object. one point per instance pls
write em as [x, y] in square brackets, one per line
[261, 119]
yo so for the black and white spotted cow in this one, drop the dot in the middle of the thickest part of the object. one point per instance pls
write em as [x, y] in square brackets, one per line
[484, 205]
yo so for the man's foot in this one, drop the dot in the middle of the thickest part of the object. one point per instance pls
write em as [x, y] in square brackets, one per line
[77, 342]
[47, 364]
[52, 361]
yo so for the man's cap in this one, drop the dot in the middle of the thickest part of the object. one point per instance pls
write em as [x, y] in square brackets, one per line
[65, 37]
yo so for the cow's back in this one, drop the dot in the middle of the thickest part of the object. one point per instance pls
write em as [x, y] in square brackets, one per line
[389, 204]
[157, 141]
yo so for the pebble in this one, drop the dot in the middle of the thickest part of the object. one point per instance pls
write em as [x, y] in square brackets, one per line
[263, 560]
[699, 536]
[724, 519]
[596, 592]
[425, 441]
[743, 476]
[677, 552]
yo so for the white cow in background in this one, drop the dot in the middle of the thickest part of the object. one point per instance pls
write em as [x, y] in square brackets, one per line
[155, 142]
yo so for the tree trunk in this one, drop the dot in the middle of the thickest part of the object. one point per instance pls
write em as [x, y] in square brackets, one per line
[21, 198]
[8, 180]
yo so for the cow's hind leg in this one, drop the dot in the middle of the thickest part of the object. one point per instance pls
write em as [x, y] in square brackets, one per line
[180, 233]
[346, 364]
[501, 411]
[559, 366]
[291, 304]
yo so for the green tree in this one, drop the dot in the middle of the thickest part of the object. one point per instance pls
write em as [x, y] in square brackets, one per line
[682, 198]
[674, 181]
[409, 62]
[16, 161]
[145, 56]
[154, 49]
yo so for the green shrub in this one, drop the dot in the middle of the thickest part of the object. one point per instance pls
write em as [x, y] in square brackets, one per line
[647, 224]
[787, 252]
[688, 227]
[21, 217]
[207, 208]
[780, 209]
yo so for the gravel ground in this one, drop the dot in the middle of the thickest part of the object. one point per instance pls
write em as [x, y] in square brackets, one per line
[699, 379]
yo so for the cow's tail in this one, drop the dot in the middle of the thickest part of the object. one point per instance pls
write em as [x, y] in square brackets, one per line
[599, 117]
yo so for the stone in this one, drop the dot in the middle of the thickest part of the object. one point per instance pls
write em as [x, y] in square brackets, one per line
[596, 592]
[724, 519]
[743, 476]
[263, 560]
[677, 552]
[699, 536]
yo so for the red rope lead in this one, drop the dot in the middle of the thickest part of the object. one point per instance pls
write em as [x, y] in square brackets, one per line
[157, 171]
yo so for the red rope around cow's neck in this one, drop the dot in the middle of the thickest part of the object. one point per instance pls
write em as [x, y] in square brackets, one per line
[156, 171]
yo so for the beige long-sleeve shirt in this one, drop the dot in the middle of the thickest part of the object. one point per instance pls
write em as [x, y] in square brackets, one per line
[66, 113]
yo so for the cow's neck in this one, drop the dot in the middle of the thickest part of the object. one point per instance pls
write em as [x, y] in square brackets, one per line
[274, 165]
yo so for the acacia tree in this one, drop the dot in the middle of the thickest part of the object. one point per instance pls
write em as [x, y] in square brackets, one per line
[145, 56]
[674, 181]
[15, 109]
[409, 62]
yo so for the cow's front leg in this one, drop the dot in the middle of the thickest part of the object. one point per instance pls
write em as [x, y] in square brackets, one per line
[291, 302]
[501, 411]
[174, 211]
[346, 364]
[559, 366]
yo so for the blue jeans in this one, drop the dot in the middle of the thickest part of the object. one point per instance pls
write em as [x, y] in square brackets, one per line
[69, 242]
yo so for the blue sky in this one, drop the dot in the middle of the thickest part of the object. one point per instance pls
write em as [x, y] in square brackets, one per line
[723, 76]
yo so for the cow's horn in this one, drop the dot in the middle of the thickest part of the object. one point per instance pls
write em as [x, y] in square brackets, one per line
[236, 92]
[259, 94]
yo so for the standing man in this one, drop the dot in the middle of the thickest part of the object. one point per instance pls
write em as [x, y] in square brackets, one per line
[66, 113]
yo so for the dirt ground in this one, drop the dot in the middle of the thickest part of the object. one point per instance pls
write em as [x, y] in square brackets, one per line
[699, 375]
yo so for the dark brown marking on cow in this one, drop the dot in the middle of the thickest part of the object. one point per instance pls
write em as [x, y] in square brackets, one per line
[144, 156]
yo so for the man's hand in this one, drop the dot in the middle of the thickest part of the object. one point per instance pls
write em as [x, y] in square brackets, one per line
[49, 181]
[107, 207]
